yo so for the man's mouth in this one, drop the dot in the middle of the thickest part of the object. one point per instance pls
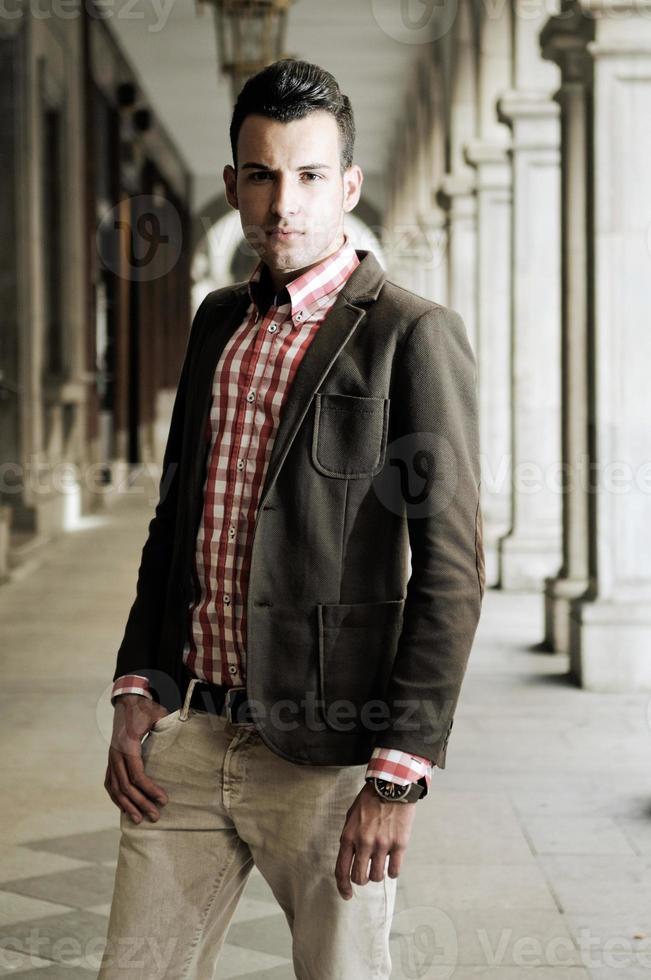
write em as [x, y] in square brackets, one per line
[283, 234]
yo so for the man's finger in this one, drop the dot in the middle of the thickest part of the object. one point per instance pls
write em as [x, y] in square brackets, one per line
[378, 864]
[127, 789]
[342, 869]
[121, 801]
[142, 781]
[359, 873]
[395, 860]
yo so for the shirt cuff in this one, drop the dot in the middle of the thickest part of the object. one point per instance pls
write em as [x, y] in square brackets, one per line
[400, 767]
[131, 684]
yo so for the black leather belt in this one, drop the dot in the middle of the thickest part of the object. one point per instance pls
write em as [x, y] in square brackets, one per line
[217, 699]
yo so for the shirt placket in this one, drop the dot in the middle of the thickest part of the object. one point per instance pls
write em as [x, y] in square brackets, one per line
[250, 417]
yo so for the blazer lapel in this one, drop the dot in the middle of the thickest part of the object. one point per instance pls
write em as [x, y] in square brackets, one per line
[363, 285]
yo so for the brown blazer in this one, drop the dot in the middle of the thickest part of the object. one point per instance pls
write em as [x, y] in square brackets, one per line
[376, 456]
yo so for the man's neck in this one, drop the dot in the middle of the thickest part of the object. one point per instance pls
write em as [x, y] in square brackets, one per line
[280, 278]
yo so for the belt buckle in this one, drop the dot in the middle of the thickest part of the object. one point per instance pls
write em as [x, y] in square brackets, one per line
[231, 694]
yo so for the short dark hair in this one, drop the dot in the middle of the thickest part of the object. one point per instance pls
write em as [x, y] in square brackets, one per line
[290, 89]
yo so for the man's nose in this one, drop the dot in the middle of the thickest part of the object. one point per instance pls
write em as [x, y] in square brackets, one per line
[285, 200]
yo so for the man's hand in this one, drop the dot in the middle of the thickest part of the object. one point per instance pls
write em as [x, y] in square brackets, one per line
[373, 830]
[126, 783]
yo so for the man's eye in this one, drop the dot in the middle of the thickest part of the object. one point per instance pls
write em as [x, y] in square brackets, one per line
[262, 174]
[316, 176]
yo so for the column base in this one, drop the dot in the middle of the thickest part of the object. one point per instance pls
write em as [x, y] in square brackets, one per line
[525, 563]
[610, 645]
[559, 593]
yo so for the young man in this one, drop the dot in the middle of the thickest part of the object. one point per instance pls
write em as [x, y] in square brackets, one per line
[295, 682]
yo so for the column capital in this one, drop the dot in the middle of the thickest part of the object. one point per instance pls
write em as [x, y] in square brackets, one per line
[621, 27]
[492, 161]
[534, 117]
[565, 40]
[616, 7]
[456, 185]
[457, 193]
[526, 104]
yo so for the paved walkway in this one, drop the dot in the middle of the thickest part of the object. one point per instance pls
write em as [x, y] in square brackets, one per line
[532, 855]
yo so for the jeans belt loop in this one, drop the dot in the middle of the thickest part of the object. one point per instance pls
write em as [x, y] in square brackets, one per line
[185, 710]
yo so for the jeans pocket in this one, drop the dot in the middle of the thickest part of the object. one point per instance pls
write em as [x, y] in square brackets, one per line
[167, 721]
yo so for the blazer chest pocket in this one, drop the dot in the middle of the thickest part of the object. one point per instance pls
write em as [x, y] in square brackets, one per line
[350, 435]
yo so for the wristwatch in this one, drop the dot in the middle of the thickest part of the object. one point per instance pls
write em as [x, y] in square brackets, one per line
[396, 792]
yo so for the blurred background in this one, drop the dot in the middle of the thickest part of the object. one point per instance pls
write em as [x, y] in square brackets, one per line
[505, 146]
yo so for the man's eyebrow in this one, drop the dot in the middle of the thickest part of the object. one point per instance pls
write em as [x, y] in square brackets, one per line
[305, 166]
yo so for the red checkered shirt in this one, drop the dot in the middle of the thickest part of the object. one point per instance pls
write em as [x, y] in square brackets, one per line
[251, 382]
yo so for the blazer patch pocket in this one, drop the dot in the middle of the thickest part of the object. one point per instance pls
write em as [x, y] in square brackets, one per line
[350, 435]
[357, 645]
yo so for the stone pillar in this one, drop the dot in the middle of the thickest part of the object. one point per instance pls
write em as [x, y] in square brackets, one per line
[489, 155]
[457, 197]
[610, 630]
[532, 549]
[432, 218]
[564, 40]
[456, 194]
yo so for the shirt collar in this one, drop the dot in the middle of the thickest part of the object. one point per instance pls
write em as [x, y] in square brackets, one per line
[304, 294]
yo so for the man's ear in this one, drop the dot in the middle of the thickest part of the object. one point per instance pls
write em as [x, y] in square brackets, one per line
[353, 180]
[230, 184]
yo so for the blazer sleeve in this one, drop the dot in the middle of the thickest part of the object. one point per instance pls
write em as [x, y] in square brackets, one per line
[137, 652]
[436, 440]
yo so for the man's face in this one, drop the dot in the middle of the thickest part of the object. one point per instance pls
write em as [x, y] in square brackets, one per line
[290, 191]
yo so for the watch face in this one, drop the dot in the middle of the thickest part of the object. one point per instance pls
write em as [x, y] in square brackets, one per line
[392, 791]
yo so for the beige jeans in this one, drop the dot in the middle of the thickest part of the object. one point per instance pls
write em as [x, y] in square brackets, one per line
[233, 803]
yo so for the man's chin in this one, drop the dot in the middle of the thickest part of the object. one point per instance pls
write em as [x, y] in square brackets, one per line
[287, 257]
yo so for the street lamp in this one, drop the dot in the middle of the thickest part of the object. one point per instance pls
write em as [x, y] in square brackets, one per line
[250, 36]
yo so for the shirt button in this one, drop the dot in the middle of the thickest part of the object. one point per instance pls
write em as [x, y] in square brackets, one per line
[227, 600]
[240, 464]
[299, 315]
[251, 395]
[272, 327]
[232, 669]
[231, 531]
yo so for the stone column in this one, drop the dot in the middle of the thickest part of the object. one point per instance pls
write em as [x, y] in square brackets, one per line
[489, 155]
[532, 549]
[564, 40]
[431, 217]
[456, 193]
[610, 630]
[457, 196]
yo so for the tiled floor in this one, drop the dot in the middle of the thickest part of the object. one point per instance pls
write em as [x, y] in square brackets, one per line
[532, 855]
